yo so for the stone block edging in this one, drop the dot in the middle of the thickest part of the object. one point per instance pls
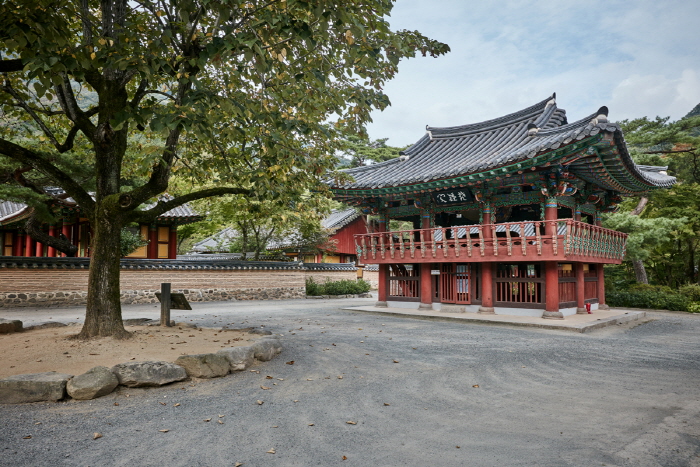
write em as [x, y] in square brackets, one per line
[52, 386]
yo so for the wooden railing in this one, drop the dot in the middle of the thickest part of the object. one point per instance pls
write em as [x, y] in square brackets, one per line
[509, 241]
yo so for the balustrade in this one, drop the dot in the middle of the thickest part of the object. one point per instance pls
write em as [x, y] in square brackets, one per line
[525, 240]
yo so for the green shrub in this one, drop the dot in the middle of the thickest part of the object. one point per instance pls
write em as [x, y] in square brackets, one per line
[694, 307]
[692, 291]
[654, 299]
[313, 288]
[341, 287]
[664, 289]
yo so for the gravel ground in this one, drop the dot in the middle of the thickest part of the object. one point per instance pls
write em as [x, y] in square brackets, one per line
[418, 393]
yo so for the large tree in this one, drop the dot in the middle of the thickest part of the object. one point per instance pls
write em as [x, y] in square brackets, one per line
[246, 94]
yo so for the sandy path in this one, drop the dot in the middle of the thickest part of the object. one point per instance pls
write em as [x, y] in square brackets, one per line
[52, 349]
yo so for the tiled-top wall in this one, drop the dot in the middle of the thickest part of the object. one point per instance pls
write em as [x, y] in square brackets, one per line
[63, 281]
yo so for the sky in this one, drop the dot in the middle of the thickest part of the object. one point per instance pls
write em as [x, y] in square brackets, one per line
[639, 58]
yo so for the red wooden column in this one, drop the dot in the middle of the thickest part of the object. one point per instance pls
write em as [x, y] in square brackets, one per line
[39, 249]
[172, 242]
[580, 289]
[66, 231]
[487, 268]
[426, 284]
[551, 268]
[153, 242]
[51, 251]
[601, 274]
[29, 245]
[18, 245]
[383, 282]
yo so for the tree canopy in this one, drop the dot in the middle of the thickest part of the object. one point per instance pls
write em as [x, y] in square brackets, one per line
[108, 100]
[665, 228]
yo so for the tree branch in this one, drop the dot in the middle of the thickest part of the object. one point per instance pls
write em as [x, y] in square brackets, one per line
[164, 206]
[13, 64]
[61, 243]
[62, 179]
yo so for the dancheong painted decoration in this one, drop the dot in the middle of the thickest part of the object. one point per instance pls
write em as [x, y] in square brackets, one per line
[505, 214]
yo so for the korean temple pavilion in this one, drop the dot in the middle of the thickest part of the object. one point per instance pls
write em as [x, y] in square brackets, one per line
[505, 214]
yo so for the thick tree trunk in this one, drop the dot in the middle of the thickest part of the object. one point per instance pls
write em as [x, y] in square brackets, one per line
[640, 272]
[103, 316]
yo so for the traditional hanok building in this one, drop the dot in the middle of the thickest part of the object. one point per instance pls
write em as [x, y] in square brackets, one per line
[506, 214]
[341, 225]
[161, 235]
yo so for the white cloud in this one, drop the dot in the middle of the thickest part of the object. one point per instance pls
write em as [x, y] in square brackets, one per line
[639, 58]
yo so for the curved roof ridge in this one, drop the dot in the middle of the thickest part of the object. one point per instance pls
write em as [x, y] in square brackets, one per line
[585, 121]
[493, 123]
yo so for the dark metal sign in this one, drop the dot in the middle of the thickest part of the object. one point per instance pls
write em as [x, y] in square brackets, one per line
[462, 195]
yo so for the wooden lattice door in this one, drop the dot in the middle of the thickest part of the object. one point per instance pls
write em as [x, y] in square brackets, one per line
[455, 283]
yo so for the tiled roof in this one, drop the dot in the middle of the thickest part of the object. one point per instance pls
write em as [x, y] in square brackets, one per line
[340, 218]
[144, 264]
[10, 209]
[456, 151]
[216, 243]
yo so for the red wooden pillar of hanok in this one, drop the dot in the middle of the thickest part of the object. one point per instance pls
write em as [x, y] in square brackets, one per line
[383, 279]
[601, 275]
[172, 242]
[580, 288]
[51, 251]
[66, 231]
[38, 249]
[426, 289]
[18, 245]
[487, 268]
[152, 242]
[551, 268]
[29, 245]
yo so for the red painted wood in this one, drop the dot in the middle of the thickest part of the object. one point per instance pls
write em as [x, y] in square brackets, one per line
[580, 286]
[18, 245]
[51, 252]
[66, 231]
[29, 245]
[551, 269]
[426, 289]
[601, 285]
[172, 243]
[153, 245]
[344, 240]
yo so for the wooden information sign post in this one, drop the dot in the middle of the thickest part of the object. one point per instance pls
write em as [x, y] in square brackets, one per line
[170, 301]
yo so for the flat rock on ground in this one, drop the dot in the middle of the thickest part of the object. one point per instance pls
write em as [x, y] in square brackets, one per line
[267, 349]
[33, 387]
[208, 365]
[144, 374]
[239, 358]
[96, 382]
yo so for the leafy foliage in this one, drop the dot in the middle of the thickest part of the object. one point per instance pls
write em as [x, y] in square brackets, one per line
[130, 242]
[341, 287]
[666, 235]
[246, 97]
[357, 151]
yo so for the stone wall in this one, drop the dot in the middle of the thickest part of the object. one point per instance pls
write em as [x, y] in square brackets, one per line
[370, 273]
[46, 282]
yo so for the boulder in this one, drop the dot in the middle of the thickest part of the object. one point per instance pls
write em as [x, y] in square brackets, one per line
[267, 349]
[33, 387]
[96, 382]
[206, 365]
[143, 374]
[261, 332]
[239, 358]
[10, 325]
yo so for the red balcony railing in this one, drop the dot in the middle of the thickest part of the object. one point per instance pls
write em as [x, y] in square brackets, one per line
[509, 241]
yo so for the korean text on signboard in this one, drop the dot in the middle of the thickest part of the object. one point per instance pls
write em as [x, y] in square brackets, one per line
[453, 197]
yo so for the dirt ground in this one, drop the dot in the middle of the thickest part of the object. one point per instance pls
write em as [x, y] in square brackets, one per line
[40, 350]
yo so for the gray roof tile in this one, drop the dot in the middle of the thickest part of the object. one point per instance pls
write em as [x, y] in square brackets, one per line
[462, 150]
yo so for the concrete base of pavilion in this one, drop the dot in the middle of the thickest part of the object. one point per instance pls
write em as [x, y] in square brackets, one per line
[576, 322]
